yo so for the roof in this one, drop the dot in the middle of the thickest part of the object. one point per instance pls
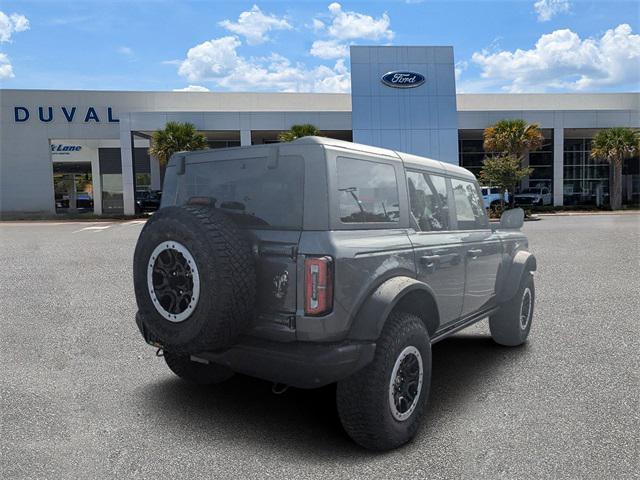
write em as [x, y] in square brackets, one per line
[409, 158]
[312, 102]
[546, 101]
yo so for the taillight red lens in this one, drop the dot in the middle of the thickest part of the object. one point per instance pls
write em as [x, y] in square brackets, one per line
[318, 285]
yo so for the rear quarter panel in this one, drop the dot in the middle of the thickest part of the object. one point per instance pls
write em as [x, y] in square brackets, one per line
[365, 254]
[363, 260]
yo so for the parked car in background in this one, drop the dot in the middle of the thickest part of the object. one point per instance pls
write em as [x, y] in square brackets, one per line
[491, 196]
[534, 196]
[84, 200]
[148, 200]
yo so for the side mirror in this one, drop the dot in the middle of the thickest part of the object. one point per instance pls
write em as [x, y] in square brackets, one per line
[512, 219]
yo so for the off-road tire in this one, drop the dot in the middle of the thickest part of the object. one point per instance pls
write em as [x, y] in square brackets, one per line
[506, 325]
[226, 271]
[195, 372]
[363, 399]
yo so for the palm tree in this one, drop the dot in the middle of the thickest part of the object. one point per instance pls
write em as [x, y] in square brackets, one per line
[298, 131]
[512, 139]
[515, 138]
[175, 137]
[615, 145]
[505, 172]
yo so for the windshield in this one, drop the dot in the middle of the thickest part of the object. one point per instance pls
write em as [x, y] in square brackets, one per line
[255, 194]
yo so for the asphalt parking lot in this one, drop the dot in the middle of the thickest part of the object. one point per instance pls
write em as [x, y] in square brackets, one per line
[82, 396]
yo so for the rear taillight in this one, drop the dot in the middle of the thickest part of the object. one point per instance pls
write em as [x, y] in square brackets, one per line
[318, 285]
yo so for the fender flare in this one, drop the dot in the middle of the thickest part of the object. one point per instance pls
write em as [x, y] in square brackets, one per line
[372, 315]
[523, 262]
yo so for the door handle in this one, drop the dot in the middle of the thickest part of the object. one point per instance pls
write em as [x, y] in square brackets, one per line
[474, 253]
[429, 261]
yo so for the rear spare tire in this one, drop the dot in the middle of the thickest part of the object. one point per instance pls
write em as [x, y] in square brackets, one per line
[194, 279]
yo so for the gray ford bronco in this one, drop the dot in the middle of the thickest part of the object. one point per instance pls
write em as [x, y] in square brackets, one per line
[322, 261]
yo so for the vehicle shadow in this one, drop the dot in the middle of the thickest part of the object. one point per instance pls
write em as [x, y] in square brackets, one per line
[306, 422]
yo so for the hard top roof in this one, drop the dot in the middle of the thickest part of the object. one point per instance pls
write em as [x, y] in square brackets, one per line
[407, 158]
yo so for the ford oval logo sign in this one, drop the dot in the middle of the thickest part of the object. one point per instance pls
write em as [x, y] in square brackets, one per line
[403, 79]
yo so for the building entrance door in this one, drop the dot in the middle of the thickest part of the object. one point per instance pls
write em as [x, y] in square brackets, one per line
[73, 187]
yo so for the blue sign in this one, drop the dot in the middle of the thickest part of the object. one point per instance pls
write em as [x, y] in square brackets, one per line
[403, 79]
[47, 114]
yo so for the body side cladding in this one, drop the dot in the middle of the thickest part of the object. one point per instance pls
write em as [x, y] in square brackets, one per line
[411, 294]
[522, 262]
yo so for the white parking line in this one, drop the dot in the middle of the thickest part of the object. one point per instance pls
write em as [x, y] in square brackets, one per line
[93, 228]
[135, 222]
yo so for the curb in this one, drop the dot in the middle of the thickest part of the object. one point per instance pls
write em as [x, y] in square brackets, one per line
[569, 214]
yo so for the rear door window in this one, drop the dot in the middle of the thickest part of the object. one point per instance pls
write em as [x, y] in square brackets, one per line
[470, 211]
[367, 192]
[428, 199]
[257, 194]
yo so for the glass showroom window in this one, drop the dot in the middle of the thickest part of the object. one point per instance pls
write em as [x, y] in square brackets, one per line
[542, 163]
[471, 150]
[586, 181]
[472, 154]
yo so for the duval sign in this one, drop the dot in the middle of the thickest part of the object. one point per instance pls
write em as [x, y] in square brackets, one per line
[402, 79]
[69, 114]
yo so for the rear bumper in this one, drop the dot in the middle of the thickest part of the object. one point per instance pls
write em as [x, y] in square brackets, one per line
[298, 364]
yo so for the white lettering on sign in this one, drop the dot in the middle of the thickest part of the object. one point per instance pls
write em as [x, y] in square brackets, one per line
[403, 79]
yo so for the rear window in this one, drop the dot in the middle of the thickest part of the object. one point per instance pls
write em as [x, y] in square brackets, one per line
[256, 195]
[368, 191]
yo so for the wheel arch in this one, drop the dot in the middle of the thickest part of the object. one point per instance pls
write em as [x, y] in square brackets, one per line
[398, 293]
[523, 263]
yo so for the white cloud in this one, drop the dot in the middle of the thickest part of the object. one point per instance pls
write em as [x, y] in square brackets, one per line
[126, 51]
[561, 60]
[192, 88]
[10, 24]
[254, 25]
[547, 9]
[317, 25]
[6, 70]
[217, 61]
[210, 59]
[329, 49]
[347, 25]
[460, 67]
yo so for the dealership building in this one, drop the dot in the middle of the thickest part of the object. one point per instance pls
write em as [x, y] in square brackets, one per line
[87, 150]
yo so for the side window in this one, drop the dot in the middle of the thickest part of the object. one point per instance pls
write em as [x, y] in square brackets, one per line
[367, 191]
[469, 207]
[428, 198]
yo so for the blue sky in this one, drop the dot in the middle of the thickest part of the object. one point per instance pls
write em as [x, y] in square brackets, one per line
[513, 46]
